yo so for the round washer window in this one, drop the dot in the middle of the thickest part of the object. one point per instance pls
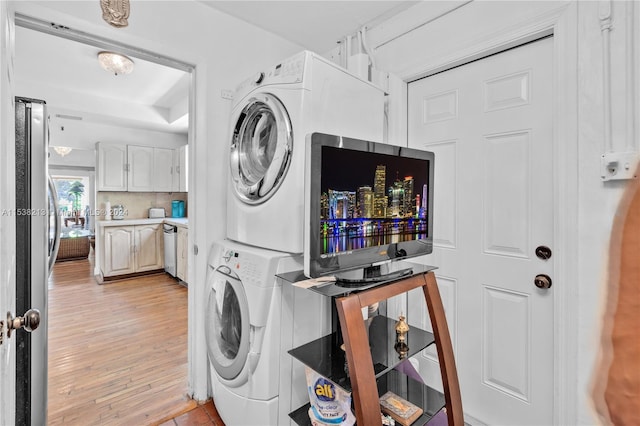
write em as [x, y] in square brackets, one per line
[227, 324]
[260, 149]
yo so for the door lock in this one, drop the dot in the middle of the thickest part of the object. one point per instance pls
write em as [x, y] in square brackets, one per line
[543, 252]
[542, 281]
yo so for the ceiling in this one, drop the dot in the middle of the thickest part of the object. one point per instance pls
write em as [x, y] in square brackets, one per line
[316, 25]
[67, 74]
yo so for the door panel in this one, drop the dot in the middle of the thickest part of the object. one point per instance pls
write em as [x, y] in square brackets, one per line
[149, 248]
[140, 174]
[111, 167]
[7, 221]
[489, 124]
[118, 243]
[163, 169]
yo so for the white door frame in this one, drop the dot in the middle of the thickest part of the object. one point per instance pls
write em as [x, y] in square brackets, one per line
[197, 383]
[562, 24]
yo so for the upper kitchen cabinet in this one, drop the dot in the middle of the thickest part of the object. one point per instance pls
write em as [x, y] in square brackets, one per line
[163, 169]
[136, 168]
[140, 170]
[111, 167]
[183, 168]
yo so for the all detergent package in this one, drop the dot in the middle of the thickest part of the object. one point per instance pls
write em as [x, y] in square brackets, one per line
[330, 404]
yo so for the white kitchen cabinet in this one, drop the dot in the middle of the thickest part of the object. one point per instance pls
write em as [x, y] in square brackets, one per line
[132, 248]
[111, 167]
[163, 169]
[119, 243]
[183, 168]
[137, 168]
[182, 254]
[149, 247]
[140, 175]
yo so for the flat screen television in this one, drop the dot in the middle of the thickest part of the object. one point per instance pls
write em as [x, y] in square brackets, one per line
[366, 204]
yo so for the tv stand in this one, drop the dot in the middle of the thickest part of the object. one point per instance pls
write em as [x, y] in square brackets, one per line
[371, 358]
[370, 278]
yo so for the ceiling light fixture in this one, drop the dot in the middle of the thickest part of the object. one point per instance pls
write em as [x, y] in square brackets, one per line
[62, 150]
[115, 62]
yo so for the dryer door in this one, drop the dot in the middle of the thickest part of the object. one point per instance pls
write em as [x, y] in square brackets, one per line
[227, 323]
[260, 149]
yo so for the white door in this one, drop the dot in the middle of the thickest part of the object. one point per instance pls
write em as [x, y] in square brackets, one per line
[140, 168]
[7, 221]
[490, 125]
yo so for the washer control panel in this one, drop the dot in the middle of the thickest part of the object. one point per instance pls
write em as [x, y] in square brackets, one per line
[289, 71]
[245, 265]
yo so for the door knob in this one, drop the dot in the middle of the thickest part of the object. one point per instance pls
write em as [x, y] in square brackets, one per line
[29, 321]
[542, 281]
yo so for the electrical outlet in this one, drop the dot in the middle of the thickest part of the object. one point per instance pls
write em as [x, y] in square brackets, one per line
[226, 94]
[619, 165]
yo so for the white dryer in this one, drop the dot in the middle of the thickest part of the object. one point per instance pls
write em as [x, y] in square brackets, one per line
[273, 113]
[252, 320]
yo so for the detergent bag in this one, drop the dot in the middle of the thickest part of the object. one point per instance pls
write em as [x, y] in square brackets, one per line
[330, 404]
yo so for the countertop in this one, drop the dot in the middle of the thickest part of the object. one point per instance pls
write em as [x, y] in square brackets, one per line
[182, 222]
[176, 221]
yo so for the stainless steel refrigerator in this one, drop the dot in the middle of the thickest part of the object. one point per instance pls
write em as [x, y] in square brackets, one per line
[37, 240]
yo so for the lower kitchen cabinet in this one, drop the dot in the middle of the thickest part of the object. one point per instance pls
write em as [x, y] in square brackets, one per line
[131, 249]
[182, 254]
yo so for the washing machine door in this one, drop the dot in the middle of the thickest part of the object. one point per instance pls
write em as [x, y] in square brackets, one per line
[260, 149]
[227, 323]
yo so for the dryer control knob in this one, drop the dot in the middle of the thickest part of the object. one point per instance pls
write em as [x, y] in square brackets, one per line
[258, 78]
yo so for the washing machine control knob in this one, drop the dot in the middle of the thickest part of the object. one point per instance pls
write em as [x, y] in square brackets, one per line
[258, 78]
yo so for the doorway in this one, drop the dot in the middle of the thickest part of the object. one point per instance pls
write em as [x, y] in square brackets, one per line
[70, 122]
[489, 123]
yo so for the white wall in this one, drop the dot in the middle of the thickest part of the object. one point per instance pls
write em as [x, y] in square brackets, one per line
[224, 50]
[85, 134]
[436, 43]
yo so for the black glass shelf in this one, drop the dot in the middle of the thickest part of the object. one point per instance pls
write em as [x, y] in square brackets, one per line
[331, 289]
[429, 399]
[326, 358]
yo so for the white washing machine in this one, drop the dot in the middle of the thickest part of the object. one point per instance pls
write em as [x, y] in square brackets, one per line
[252, 320]
[272, 114]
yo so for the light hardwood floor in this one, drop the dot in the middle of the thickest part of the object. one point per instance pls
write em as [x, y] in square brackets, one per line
[117, 351]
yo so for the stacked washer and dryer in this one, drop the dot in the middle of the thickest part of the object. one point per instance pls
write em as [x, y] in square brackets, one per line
[253, 317]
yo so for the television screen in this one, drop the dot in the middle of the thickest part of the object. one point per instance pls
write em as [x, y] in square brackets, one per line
[366, 203]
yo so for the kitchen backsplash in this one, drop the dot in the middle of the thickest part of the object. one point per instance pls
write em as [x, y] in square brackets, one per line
[137, 204]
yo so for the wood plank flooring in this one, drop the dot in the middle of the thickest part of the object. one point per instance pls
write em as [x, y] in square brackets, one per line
[117, 351]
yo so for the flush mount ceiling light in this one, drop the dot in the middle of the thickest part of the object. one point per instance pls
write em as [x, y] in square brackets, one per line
[115, 62]
[62, 150]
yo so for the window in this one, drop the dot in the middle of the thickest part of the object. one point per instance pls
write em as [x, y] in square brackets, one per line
[73, 197]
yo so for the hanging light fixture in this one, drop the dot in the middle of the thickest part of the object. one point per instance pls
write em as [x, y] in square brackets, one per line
[115, 62]
[62, 150]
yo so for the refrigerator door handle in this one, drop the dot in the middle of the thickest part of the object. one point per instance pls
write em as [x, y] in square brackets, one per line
[58, 225]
